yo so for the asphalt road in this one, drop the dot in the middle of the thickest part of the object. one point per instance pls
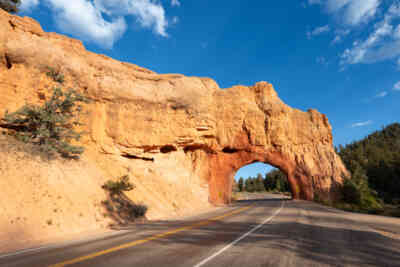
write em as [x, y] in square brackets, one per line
[269, 232]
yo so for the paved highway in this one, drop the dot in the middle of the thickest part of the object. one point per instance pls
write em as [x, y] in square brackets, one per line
[268, 232]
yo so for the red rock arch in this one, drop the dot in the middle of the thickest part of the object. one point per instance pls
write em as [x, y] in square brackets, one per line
[298, 143]
[140, 116]
[223, 167]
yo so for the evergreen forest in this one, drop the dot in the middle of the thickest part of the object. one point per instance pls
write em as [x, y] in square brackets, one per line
[374, 163]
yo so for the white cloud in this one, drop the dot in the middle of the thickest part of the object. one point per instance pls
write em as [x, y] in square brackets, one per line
[381, 94]
[322, 61]
[350, 12]
[175, 20]
[365, 51]
[339, 34]
[396, 34]
[27, 5]
[337, 39]
[382, 43]
[396, 86]
[81, 18]
[86, 19]
[175, 3]
[353, 12]
[318, 31]
[314, 2]
[378, 20]
[361, 124]
[149, 14]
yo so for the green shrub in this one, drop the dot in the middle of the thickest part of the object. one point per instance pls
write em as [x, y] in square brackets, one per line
[378, 155]
[116, 187]
[57, 76]
[50, 126]
[359, 195]
[11, 6]
[137, 210]
[319, 199]
[350, 192]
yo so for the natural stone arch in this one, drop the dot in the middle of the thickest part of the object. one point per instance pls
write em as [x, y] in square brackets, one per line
[226, 166]
[298, 143]
[165, 126]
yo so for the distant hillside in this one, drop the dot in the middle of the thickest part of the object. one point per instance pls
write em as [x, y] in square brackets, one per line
[378, 155]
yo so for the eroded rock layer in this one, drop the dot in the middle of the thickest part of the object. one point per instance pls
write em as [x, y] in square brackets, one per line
[181, 130]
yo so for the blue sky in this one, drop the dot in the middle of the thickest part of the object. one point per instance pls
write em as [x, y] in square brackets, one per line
[341, 57]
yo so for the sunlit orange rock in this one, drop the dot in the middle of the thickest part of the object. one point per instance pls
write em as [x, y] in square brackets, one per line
[184, 135]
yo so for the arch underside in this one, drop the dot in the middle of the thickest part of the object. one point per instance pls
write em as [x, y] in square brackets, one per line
[223, 166]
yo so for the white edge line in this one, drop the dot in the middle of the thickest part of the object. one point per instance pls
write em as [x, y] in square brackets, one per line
[21, 252]
[64, 244]
[240, 238]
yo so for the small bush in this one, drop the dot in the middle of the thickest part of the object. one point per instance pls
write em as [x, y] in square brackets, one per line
[137, 210]
[117, 187]
[57, 76]
[51, 125]
[350, 192]
[319, 199]
[11, 6]
[359, 197]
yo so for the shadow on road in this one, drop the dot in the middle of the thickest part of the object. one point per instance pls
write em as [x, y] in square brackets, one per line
[328, 239]
[122, 210]
[304, 232]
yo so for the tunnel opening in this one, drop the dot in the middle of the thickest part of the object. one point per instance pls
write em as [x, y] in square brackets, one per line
[257, 179]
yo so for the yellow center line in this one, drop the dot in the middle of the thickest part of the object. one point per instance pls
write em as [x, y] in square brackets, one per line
[145, 240]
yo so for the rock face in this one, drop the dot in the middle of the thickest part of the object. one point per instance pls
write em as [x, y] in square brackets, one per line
[184, 131]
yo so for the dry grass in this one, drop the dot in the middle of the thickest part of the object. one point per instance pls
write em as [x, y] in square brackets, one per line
[9, 144]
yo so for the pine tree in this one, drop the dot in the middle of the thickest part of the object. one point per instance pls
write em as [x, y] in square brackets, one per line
[50, 126]
[269, 182]
[378, 157]
[241, 184]
[11, 6]
[249, 184]
[276, 180]
[259, 183]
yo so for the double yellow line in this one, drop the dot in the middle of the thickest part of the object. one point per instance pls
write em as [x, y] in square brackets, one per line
[148, 239]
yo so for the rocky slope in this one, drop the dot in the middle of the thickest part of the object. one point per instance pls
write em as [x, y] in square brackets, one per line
[180, 138]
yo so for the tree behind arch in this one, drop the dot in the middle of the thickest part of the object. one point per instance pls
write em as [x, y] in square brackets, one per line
[259, 183]
[241, 184]
[11, 6]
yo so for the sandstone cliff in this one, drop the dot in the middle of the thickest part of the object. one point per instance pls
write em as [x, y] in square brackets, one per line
[181, 138]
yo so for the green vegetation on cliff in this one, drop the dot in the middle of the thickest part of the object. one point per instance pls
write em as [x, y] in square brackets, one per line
[374, 163]
[51, 126]
[11, 6]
